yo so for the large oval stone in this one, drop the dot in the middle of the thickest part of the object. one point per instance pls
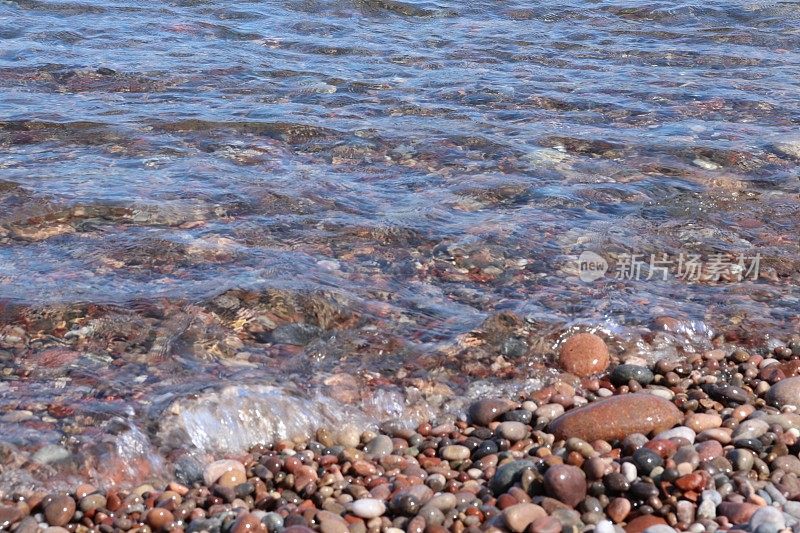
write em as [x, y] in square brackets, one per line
[616, 418]
[785, 392]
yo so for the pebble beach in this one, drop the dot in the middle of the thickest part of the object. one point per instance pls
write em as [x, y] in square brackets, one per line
[384, 266]
[709, 444]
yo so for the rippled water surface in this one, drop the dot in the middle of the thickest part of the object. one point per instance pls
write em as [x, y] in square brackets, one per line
[369, 205]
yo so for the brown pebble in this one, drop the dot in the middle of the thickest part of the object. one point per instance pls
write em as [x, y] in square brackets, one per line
[584, 354]
[618, 509]
[566, 483]
[158, 518]
[483, 412]
[640, 523]
[617, 417]
[59, 511]
[9, 515]
[247, 523]
[518, 517]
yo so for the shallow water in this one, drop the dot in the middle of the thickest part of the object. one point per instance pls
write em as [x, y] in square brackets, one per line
[369, 202]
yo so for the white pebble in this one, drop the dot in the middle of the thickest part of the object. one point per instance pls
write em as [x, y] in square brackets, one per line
[604, 526]
[368, 508]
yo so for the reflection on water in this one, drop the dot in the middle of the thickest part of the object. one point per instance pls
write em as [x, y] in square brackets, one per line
[369, 198]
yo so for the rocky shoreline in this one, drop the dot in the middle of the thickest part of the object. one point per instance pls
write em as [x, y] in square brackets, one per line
[706, 444]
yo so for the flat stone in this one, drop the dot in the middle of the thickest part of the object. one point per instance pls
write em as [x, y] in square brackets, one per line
[750, 429]
[484, 412]
[702, 421]
[622, 374]
[518, 517]
[682, 432]
[455, 452]
[616, 417]
[785, 392]
[566, 483]
[584, 354]
[368, 508]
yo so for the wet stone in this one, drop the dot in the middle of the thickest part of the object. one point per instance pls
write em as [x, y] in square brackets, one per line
[247, 523]
[483, 412]
[379, 446]
[566, 483]
[518, 517]
[368, 508]
[622, 374]
[584, 354]
[92, 502]
[9, 515]
[513, 431]
[518, 415]
[646, 460]
[785, 393]
[159, 518]
[616, 417]
[507, 474]
[60, 511]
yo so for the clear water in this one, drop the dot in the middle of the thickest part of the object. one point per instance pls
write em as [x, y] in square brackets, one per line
[379, 180]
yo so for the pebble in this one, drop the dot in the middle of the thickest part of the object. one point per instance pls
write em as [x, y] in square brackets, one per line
[702, 421]
[159, 518]
[484, 412]
[750, 429]
[622, 374]
[617, 417]
[380, 446]
[247, 523]
[682, 432]
[640, 523]
[368, 508]
[455, 452]
[51, 453]
[513, 431]
[9, 515]
[214, 471]
[785, 393]
[737, 513]
[767, 516]
[507, 474]
[59, 511]
[92, 502]
[565, 483]
[584, 354]
[518, 517]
